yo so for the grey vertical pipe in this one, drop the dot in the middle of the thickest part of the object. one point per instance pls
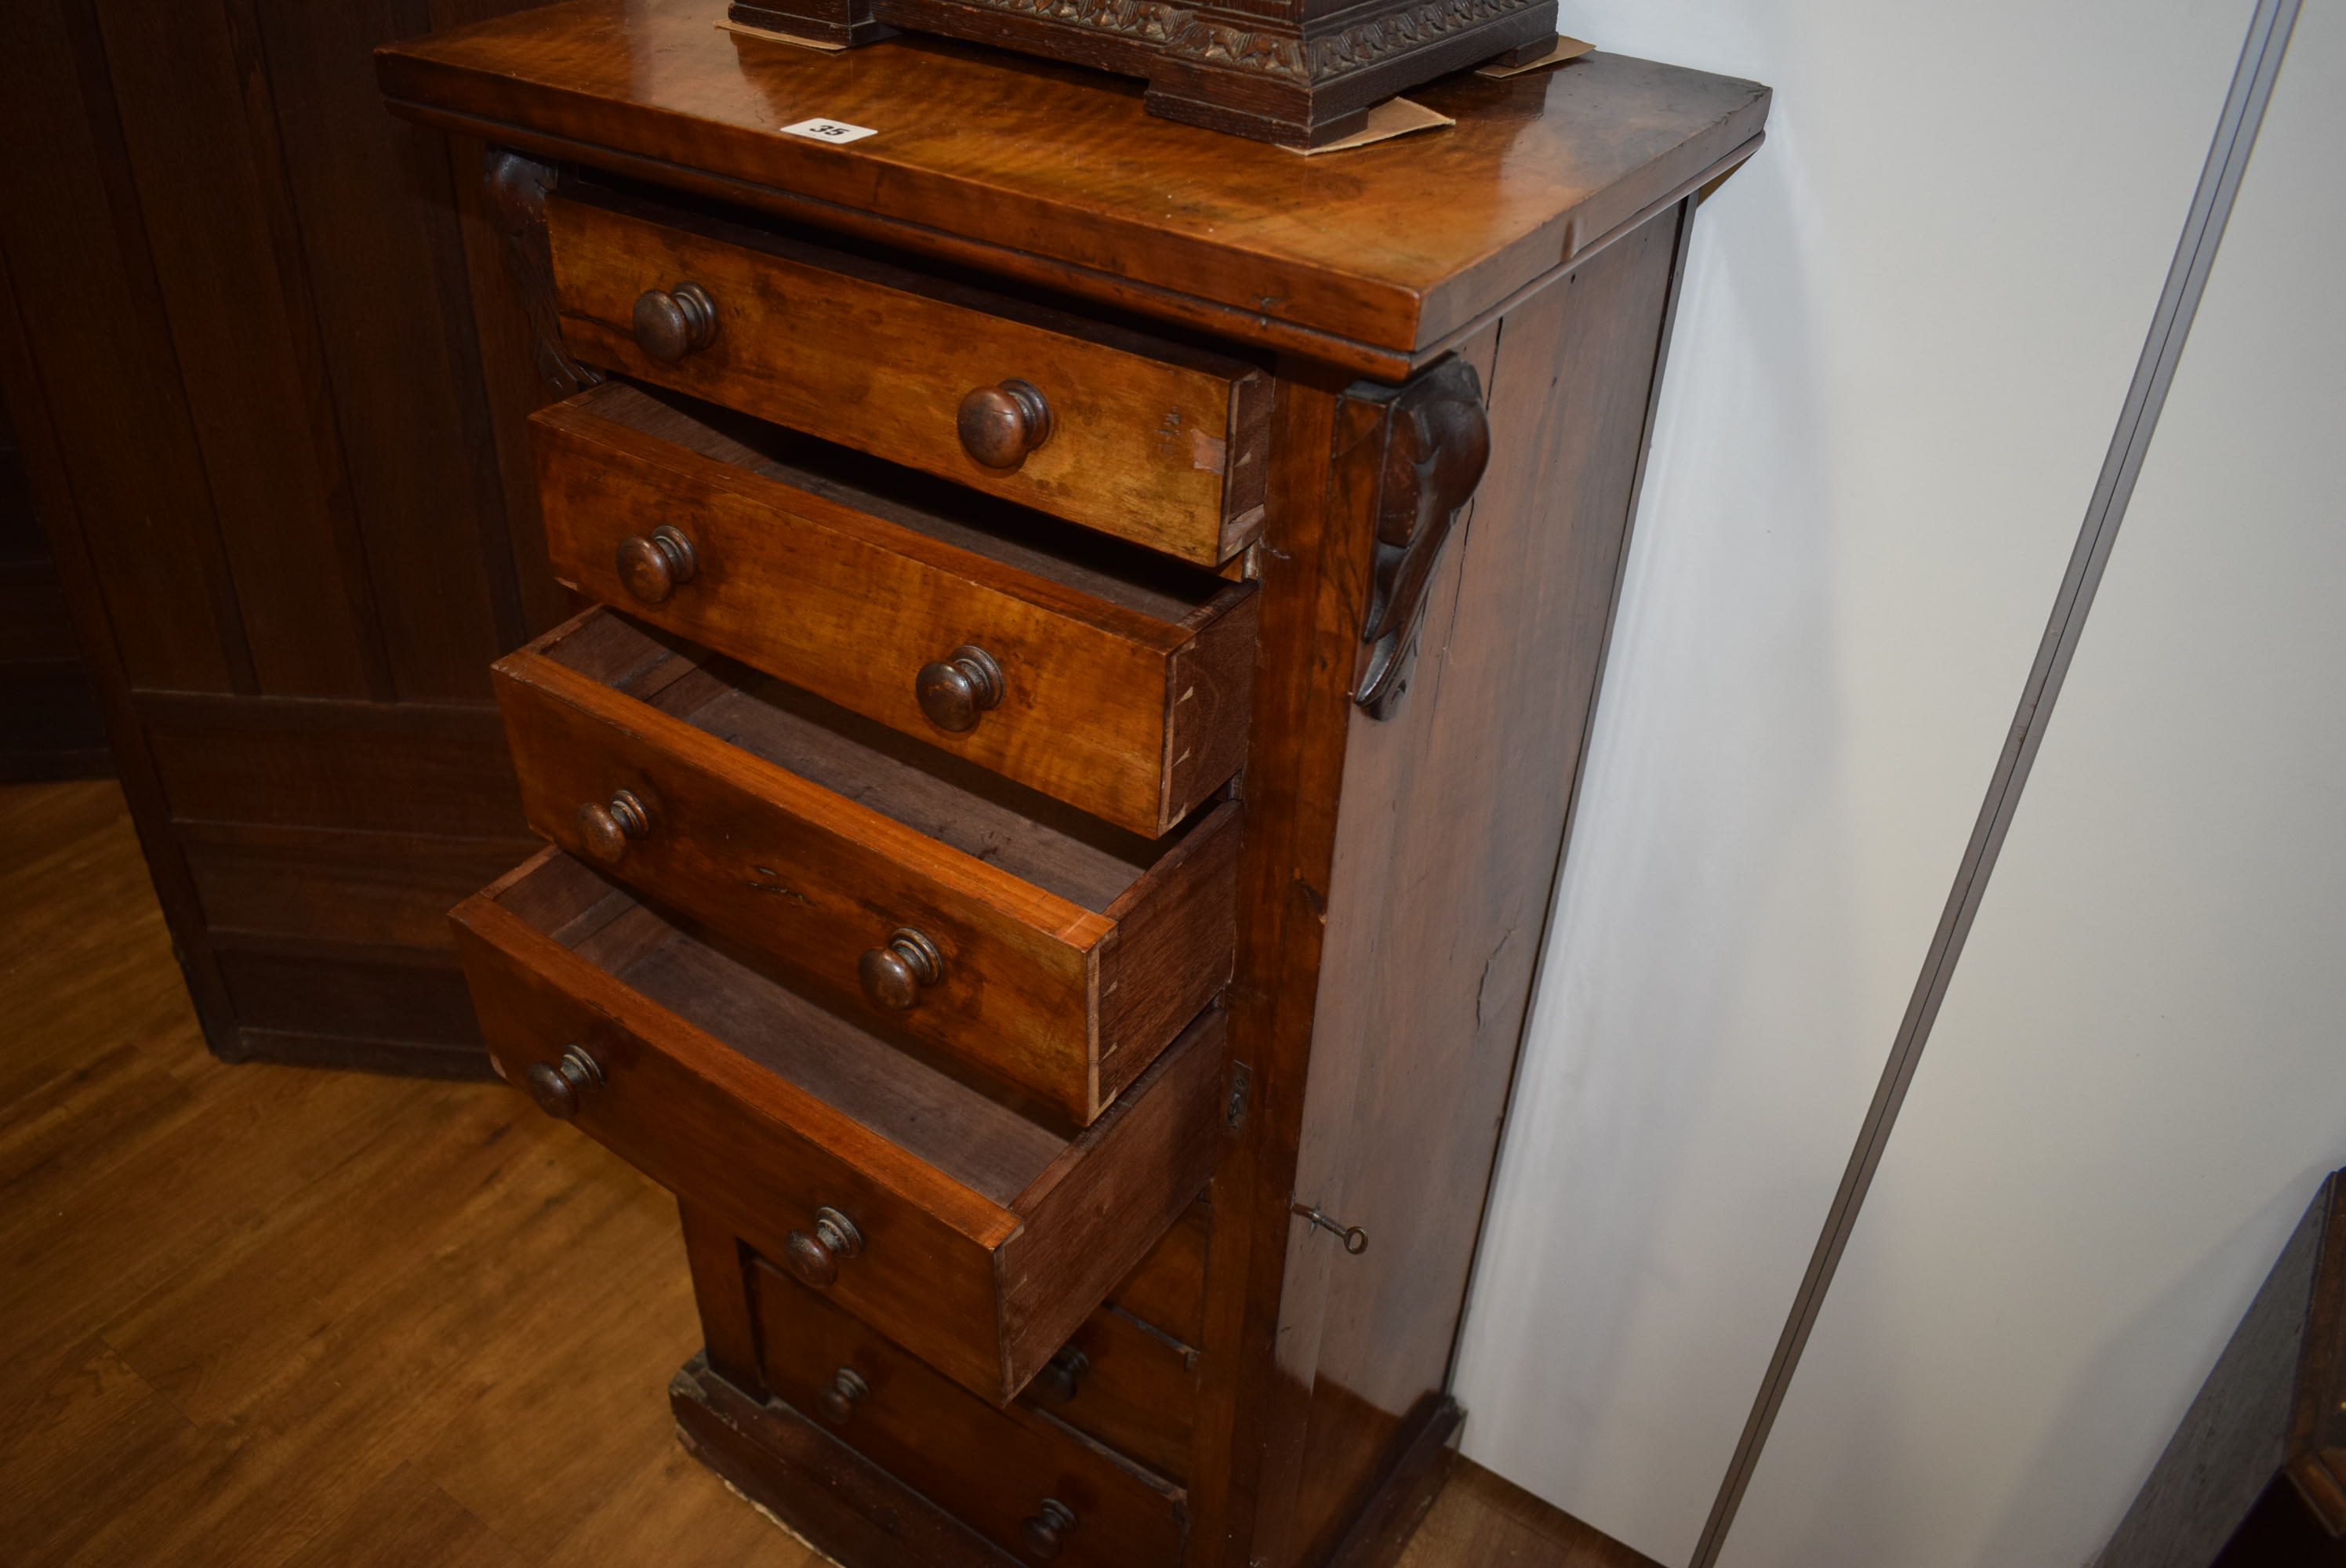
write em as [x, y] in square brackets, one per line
[2178, 302]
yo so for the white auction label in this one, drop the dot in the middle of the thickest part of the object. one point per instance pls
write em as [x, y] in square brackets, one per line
[829, 130]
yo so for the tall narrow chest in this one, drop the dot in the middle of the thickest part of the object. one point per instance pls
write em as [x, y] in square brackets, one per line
[1088, 633]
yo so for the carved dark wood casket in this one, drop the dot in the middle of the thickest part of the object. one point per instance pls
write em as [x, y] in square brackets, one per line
[1301, 72]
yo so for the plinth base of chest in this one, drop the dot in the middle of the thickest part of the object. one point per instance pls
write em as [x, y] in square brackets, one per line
[857, 1513]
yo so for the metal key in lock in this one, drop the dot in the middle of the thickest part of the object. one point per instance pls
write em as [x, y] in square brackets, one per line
[1355, 1239]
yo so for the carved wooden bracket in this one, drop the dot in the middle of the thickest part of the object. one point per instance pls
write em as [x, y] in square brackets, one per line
[517, 186]
[1436, 444]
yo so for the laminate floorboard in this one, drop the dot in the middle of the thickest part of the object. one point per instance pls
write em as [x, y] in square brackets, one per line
[1482, 1521]
[276, 1317]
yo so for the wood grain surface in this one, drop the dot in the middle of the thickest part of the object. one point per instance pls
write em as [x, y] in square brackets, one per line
[1168, 1289]
[1137, 1391]
[49, 723]
[1143, 439]
[1071, 954]
[990, 1467]
[986, 1239]
[1433, 934]
[710, 1122]
[790, 1465]
[1124, 677]
[1481, 1520]
[238, 349]
[1368, 259]
[267, 1317]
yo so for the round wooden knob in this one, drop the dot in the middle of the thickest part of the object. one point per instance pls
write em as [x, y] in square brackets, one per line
[652, 565]
[837, 1402]
[1051, 1524]
[962, 684]
[672, 322]
[892, 975]
[1000, 424]
[606, 828]
[558, 1086]
[1063, 1378]
[814, 1256]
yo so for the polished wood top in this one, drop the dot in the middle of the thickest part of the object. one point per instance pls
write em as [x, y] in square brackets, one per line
[1375, 258]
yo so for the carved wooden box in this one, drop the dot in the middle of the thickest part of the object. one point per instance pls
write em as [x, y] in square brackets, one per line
[1303, 72]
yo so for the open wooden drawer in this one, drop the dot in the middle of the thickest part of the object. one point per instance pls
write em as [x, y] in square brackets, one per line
[1053, 949]
[1101, 673]
[1133, 435]
[975, 1236]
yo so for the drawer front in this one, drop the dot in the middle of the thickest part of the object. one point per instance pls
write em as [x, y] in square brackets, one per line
[1128, 1385]
[1066, 1002]
[996, 1470]
[695, 1118]
[1145, 440]
[1133, 717]
[1135, 1384]
[983, 1288]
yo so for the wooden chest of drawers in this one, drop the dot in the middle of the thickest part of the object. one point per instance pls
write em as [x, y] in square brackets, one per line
[1001, 877]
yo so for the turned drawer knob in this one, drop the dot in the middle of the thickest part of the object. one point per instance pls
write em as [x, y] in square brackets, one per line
[1062, 1378]
[1000, 424]
[814, 1257]
[557, 1086]
[672, 322]
[839, 1400]
[892, 975]
[652, 565]
[958, 689]
[607, 828]
[1052, 1523]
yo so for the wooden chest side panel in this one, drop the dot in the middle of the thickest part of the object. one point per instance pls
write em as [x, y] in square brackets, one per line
[1438, 910]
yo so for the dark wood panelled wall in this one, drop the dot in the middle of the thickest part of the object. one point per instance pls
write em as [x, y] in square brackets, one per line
[50, 726]
[262, 359]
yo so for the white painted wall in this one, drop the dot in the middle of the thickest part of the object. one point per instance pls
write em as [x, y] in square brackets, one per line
[1907, 332]
[2139, 1076]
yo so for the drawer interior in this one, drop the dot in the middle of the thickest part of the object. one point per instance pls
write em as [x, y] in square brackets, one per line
[1078, 856]
[1125, 574]
[895, 1089]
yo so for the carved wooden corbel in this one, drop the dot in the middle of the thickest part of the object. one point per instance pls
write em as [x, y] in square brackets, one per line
[1436, 444]
[517, 187]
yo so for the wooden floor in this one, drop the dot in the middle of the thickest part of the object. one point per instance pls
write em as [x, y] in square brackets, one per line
[290, 1318]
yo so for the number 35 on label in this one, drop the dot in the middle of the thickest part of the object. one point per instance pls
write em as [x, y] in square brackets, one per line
[829, 130]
